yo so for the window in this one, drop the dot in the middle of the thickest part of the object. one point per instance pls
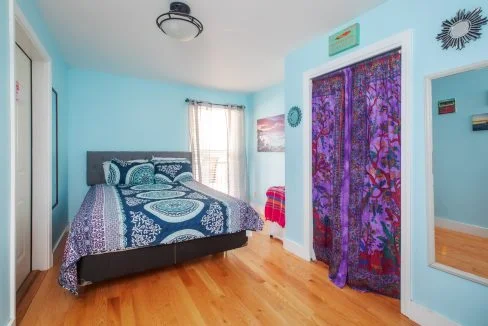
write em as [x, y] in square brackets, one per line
[218, 145]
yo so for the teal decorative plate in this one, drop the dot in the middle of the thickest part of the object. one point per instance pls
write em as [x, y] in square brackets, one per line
[294, 116]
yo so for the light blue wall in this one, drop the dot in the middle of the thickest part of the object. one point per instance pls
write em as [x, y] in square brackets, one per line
[460, 300]
[265, 169]
[109, 112]
[461, 154]
[59, 80]
[5, 92]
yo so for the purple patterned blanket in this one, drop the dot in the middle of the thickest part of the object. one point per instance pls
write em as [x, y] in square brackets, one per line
[118, 218]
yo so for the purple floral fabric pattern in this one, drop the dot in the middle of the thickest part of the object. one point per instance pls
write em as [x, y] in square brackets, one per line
[358, 165]
[374, 258]
[328, 100]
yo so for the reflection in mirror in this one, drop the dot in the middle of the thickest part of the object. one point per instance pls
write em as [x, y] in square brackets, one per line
[460, 171]
[54, 157]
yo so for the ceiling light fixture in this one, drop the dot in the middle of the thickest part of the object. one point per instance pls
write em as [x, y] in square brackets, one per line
[178, 23]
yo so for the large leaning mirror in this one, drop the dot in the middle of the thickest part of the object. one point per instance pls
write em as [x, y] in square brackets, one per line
[457, 171]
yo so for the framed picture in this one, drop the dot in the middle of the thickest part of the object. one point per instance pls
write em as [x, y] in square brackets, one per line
[271, 134]
[480, 122]
[54, 139]
[447, 106]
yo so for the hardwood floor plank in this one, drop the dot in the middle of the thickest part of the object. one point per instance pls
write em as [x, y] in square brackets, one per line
[200, 293]
[113, 311]
[127, 315]
[462, 251]
[27, 292]
[31, 285]
[260, 284]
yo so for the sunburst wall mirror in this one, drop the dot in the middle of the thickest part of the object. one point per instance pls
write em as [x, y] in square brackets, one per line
[461, 29]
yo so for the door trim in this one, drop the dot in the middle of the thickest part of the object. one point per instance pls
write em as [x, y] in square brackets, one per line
[12, 229]
[31, 154]
[42, 256]
[56, 202]
[403, 41]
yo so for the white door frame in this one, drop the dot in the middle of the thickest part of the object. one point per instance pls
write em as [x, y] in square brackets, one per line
[12, 229]
[403, 41]
[42, 256]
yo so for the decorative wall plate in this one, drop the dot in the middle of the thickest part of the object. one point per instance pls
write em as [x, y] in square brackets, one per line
[294, 116]
[461, 29]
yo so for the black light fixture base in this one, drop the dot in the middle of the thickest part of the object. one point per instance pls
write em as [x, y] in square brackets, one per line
[180, 7]
[179, 12]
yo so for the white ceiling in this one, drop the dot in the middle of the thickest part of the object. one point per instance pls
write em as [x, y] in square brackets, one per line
[242, 47]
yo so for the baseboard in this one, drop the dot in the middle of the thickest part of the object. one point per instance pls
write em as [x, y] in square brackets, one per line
[60, 238]
[296, 249]
[425, 316]
[476, 230]
[276, 231]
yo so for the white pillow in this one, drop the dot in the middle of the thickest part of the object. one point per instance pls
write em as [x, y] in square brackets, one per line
[111, 180]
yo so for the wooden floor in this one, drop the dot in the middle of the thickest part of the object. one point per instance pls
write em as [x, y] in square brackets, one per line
[462, 251]
[27, 291]
[260, 284]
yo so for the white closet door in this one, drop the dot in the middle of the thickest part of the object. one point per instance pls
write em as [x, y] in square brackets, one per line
[23, 152]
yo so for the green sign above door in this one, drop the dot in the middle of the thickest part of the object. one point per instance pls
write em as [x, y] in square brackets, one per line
[344, 40]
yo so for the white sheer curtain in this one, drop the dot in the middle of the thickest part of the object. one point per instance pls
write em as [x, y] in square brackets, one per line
[218, 144]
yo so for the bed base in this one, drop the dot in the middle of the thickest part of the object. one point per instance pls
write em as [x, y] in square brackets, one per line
[97, 268]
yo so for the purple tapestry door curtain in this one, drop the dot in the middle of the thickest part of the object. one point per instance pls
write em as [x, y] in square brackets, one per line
[356, 169]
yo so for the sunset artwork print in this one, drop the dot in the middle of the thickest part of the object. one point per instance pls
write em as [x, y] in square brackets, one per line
[480, 122]
[271, 134]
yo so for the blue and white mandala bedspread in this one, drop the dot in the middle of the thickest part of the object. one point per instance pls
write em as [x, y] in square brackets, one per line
[117, 218]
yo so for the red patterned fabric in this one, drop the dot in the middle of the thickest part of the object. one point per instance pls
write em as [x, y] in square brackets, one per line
[275, 205]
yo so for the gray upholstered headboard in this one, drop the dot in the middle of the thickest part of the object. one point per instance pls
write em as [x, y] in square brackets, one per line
[94, 161]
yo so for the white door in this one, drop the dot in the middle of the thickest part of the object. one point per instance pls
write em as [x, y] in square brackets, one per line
[23, 152]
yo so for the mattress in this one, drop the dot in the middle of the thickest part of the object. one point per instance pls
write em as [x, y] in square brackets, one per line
[119, 218]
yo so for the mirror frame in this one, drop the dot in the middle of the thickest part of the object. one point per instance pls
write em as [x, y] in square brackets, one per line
[55, 124]
[429, 175]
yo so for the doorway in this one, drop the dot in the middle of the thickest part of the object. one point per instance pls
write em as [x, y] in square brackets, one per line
[401, 41]
[30, 160]
[356, 173]
[23, 164]
[30, 155]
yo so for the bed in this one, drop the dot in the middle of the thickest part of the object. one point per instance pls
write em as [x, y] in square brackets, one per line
[123, 230]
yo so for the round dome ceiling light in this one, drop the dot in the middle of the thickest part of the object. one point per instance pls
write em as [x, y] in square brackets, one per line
[178, 23]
